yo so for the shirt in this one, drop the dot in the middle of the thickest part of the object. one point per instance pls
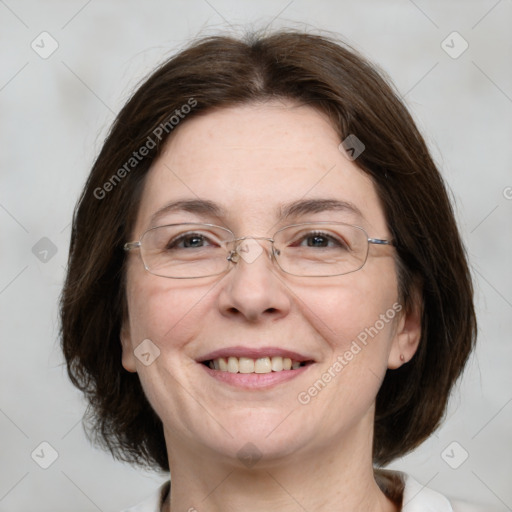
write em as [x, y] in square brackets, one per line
[415, 498]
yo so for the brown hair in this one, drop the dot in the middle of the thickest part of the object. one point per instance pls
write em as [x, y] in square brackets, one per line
[225, 71]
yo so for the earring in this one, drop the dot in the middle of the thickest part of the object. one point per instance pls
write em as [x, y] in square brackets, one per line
[402, 358]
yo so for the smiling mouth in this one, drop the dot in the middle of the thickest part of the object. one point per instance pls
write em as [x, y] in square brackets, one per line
[260, 365]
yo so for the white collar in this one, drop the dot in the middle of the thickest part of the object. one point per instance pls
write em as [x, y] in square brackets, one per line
[416, 498]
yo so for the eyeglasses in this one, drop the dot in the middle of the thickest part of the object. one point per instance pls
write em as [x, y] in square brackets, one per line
[310, 249]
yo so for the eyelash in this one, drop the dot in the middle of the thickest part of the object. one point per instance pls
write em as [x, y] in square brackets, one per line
[322, 234]
[173, 243]
[187, 236]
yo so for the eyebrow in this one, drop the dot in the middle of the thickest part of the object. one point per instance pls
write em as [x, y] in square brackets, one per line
[204, 207]
[307, 206]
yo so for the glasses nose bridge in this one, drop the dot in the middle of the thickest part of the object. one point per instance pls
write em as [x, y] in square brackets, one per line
[235, 253]
[253, 238]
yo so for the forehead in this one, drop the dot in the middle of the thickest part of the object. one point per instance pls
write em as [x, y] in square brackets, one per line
[253, 160]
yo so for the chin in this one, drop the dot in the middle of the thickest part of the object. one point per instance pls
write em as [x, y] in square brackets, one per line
[269, 439]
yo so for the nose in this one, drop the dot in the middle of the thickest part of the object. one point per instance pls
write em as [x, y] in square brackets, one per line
[253, 290]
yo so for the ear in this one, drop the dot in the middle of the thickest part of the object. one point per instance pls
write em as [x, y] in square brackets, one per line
[408, 333]
[128, 357]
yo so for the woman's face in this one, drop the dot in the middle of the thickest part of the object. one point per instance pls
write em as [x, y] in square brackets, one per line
[252, 162]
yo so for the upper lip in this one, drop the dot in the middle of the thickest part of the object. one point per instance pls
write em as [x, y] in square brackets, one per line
[254, 353]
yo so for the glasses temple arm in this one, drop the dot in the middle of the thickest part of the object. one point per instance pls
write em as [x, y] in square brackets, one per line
[128, 246]
[379, 241]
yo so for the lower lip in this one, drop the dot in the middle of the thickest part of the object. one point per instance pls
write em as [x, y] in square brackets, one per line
[255, 380]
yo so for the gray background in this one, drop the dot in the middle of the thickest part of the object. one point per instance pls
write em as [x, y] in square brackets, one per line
[54, 116]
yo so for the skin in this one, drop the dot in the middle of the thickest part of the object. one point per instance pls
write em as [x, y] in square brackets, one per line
[250, 159]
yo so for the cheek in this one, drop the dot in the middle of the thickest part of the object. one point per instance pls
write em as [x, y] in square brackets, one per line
[359, 324]
[354, 306]
[163, 311]
[357, 317]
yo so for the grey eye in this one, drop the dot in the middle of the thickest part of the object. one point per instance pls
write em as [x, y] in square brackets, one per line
[320, 240]
[188, 240]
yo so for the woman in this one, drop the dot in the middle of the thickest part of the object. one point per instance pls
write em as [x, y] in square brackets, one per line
[267, 293]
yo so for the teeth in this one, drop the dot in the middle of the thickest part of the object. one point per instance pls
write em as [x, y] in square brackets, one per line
[248, 365]
[232, 365]
[245, 365]
[277, 364]
[263, 365]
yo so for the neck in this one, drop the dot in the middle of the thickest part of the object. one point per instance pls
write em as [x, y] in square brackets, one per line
[340, 479]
